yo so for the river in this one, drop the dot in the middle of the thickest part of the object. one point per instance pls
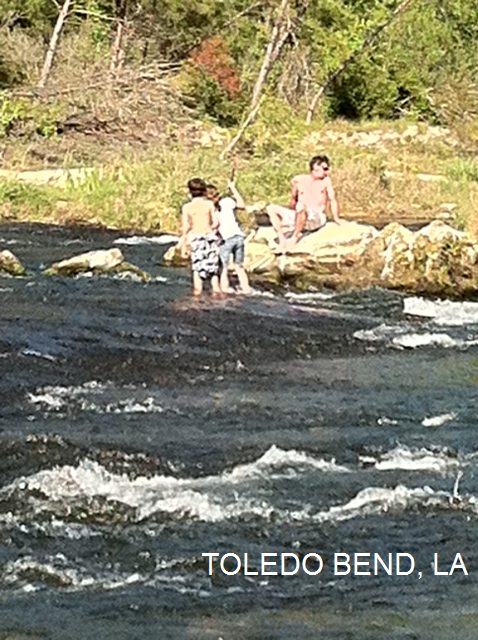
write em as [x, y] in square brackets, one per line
[141, 429]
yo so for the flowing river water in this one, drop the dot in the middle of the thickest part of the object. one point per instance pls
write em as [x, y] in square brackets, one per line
[140, 429]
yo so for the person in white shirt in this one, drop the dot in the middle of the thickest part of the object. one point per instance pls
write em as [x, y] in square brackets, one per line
[232, 236]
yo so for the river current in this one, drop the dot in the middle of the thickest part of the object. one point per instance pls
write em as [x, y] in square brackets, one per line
[141, 429]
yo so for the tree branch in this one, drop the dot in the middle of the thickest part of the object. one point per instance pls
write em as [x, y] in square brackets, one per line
[50, 54]
[279, 35]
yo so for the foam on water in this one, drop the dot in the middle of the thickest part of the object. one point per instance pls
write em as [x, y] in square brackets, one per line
[439, 420]
[219, 498]
[275, 458]
[400, 337]
[210, 499]
[443, 312]
[382, 500]
[58, 398]
[380, 333]
[309, 297]
[414, 340]
[29, 574]
[139, 240]
[38, 354]
[407, 459]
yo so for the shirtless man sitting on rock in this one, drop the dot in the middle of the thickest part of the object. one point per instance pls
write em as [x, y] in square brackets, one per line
[310, 195]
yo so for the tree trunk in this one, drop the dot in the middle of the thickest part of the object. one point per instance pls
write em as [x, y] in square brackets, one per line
[52, 47]
[368, 41]
[117, 51]
[279, 34]
[248, 120]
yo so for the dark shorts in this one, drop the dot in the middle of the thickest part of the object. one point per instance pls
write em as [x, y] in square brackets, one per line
[205, 256]
[232, 246]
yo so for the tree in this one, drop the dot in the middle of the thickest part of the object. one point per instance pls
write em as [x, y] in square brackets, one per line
[279, 33]
[50, 54]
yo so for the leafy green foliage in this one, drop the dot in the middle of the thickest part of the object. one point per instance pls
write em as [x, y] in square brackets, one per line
[394, 74]
[11, 111]
[28, 116]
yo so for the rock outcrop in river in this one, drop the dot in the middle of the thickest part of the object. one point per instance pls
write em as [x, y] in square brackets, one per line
[436, 259]
[102, 261]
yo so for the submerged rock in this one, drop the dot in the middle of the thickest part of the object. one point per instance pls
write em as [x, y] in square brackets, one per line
[9, 263]
[173, 257]
[101, 261]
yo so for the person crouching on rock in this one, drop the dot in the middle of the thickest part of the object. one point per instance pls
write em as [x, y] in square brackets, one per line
[310, 195]
[232, 236]
[199, 227]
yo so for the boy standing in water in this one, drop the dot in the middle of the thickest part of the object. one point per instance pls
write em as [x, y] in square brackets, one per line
[232, 236]
[199, 227]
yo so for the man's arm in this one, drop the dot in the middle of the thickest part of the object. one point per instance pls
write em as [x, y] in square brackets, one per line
[294, 193]
[334, 205]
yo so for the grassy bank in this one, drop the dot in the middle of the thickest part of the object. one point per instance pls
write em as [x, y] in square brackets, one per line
[378, 169]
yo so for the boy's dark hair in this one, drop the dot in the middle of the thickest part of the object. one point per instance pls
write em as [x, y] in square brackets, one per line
[318, 160]
[197, 187]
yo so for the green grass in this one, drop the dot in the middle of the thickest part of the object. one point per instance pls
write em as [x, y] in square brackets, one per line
[143, 188]
[18, 196]
[463, 170]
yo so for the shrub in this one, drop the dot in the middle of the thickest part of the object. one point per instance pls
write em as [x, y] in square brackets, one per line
[211, 81]
[456, 101]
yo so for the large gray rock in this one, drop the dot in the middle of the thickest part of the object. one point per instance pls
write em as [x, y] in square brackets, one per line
[100, 261]
[436, 259]
[315, 258]
[9, 263]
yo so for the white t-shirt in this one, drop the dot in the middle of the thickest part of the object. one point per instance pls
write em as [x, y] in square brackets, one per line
[228, 225]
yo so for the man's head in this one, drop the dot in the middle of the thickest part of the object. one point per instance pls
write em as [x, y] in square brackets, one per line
[197, 187]
[212, 193]
[319, 166]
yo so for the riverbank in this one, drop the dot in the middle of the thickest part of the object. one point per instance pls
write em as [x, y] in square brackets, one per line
[384, 172]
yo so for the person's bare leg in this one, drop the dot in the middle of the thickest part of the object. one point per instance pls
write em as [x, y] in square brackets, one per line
[197, 284]
[300, 220]
[243, 280]
[224, 281]
[216, 289]
[276, 222]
